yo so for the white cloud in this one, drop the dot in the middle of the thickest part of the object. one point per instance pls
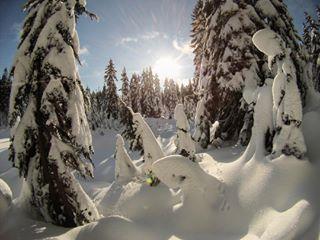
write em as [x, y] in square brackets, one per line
[184, 48]
[128, 40]
[150, 35]
[84, 51]
[145, 37]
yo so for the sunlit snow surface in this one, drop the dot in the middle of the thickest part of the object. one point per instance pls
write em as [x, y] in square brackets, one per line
[224, 197]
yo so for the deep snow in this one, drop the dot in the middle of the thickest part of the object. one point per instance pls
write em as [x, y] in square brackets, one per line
[229, 194]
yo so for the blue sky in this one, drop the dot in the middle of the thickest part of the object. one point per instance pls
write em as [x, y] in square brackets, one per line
[134, 33]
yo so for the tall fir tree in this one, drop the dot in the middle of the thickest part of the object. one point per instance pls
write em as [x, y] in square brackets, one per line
[50, 134]
[311, 42]
[129, 130]
[157, 97]
[125, 90]
[135, 92]
[170, 96]
[110, 90]
[147, 100]
[100, 107]
[5, 87]
[189, 99]
[143, 89]
[198, 30]
[94, 114]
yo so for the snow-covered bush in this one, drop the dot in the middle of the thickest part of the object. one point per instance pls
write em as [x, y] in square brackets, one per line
[184, 142]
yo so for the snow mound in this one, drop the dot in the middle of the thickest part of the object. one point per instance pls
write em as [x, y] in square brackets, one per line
[136, 201]
[201, 194]
[289, 223]
[111, 228]
[5, 198]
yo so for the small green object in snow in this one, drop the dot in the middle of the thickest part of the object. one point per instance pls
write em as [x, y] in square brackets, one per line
[149, 180]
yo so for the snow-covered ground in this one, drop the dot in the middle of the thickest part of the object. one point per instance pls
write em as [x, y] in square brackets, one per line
[20, 226]
[229, 194]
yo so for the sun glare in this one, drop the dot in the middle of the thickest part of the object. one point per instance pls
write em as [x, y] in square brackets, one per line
[167, 67]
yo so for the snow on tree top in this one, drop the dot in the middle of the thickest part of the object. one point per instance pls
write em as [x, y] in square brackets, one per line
[180, 117]
[267, 8]
[268, 42]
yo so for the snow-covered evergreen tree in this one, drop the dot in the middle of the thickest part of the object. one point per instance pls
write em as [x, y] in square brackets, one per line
[198, 30]
[178, 91]
[173, 96]
[96, 118]
[202, 125]
[143, 89]
[229, 67]
[129, 129]
[189, 100]
[276, 16]
[135, 92]
[311, 41]
[170, 97]
[111, 96]
[157, 97]
[99, 105]
[124, 101]
[228, 59]
[92, 118]
[148, 93]
[5, 86]
[185, 144]
[165, 96]
[125, 91]
[50, 133]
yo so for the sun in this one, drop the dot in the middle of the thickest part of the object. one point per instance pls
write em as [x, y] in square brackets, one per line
[167, 67]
